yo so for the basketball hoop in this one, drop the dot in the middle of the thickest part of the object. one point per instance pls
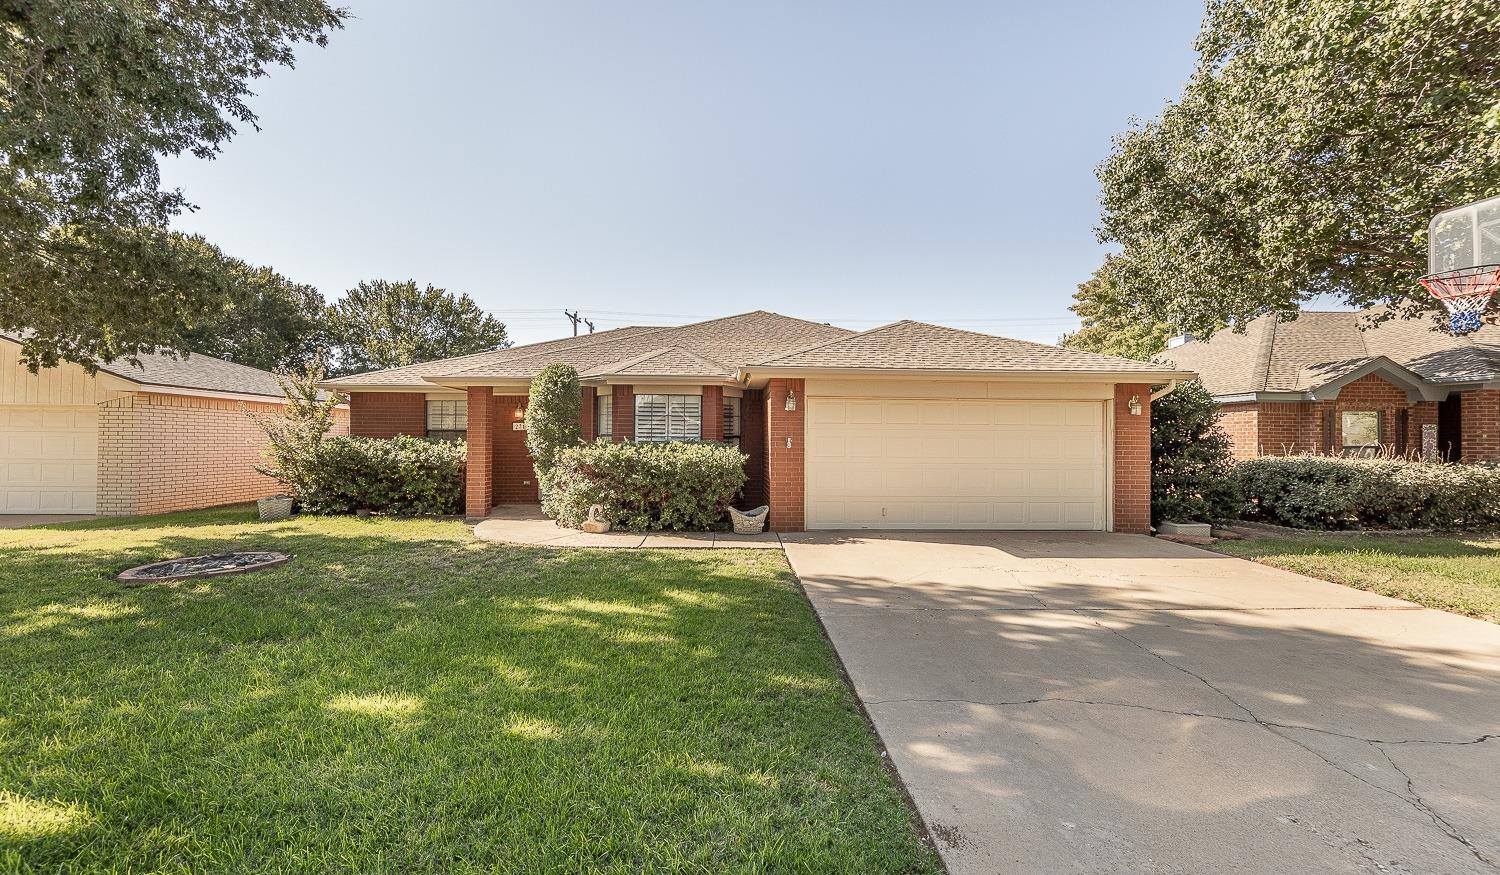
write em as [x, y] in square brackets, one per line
[1466, 293]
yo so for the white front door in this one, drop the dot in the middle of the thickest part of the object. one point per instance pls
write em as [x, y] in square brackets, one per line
[955, 464]
[49, 459]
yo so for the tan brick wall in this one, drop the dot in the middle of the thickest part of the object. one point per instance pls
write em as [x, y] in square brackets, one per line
[479, 472]
[1132, 458]
[160, 453]
[787, 473]
[387, 414]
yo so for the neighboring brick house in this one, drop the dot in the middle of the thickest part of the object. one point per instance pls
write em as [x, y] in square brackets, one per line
[171, 434]
[1352, 383]
[907, 426]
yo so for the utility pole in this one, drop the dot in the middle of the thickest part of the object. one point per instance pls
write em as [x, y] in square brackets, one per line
[590, 324]
[575, 319]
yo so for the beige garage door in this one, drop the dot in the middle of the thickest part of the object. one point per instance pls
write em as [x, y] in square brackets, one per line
[49, 458]
[952, 464]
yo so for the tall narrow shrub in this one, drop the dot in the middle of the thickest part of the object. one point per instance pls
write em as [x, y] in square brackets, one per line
[1192, 465]
[295, 433]
[552, 416]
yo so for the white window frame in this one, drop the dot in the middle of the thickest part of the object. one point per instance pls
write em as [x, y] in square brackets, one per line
[447, 418]
[662, 418]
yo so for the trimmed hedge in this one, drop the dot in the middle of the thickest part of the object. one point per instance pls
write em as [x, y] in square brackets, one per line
[399, 475]
[1321, 492]
[645, 487]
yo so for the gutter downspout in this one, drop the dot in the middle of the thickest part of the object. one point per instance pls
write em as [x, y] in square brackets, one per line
[1164, 391]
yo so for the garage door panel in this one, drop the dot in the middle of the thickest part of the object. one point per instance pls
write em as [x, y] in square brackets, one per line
[50, 459]
[946, 464]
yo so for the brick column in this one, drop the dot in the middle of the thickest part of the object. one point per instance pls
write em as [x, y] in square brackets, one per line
[1132, 456]
[1481, 425]
[479, 476]
[788, 473]
[586, 418]
[623, 414]
[713, 413]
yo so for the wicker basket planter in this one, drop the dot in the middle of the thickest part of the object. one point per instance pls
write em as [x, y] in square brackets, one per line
[749, 522]
[277, 507]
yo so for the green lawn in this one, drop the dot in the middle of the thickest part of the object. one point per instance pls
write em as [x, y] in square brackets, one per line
[403, 698]
[1459, 574]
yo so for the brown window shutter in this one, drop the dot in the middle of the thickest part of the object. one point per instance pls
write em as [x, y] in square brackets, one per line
[1403, 424]
[1329, 433]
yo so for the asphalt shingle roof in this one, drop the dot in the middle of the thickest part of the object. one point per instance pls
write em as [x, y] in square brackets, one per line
[672, 350]
[1299, 355]
[195, 371]
[920, 346]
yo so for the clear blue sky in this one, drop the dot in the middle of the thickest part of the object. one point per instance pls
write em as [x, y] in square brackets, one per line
[655, 162]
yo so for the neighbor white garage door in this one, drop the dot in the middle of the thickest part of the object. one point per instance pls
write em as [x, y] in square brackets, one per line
[955, 464]
[49, 459]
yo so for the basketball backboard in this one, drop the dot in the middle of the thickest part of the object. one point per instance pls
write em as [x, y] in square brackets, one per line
[1467, 236]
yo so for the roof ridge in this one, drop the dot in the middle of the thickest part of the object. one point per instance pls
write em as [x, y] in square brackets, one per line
[1264, 351]
[822, 343]
[657, 329]
[1031, 343]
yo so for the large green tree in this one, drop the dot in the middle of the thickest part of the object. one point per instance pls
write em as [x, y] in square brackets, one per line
[1114, 323]
[92, 93]
[380, 324]
[263, 320]
[1305, 156]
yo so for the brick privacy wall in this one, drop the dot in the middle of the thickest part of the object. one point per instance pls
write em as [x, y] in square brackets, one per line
[387, 414]
[713, 413]
[786, 466]
[514, 475]
[586, 418]
[1132, 498]
[160, 453]
[623, 413]
[479, 471]
[1241, 422]
[1481, 425]
[753, 444]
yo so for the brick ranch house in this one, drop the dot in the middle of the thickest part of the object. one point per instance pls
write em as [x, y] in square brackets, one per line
[168, 435]
[1339, 383]
[908, 426]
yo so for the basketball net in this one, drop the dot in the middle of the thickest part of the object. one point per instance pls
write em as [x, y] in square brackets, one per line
[1466, 293]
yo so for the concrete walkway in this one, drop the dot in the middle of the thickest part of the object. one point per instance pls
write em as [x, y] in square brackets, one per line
[22, 520]
[524, 524]
[1115, 703]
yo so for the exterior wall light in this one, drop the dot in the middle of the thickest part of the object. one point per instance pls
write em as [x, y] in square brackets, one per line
[791, 400]
[520, 413]
[1135, 405]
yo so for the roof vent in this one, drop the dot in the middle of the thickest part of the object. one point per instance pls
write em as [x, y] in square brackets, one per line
[1179, 340]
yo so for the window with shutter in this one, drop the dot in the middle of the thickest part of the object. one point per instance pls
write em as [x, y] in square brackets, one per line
[668, 418]
[448, 420]
[604, 417]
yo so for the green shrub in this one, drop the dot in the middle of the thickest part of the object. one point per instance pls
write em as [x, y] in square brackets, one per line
[400, 475]
[644, 487]
[1192, 465]
[552, 415]
[1322, 492]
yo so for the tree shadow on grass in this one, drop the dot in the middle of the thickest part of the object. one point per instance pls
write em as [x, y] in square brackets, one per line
[403, 697]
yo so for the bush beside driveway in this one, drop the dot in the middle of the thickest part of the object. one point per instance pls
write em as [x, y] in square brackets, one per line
[403, 698]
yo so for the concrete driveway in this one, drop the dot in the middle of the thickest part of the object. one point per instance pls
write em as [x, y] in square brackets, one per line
[1060, 702]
